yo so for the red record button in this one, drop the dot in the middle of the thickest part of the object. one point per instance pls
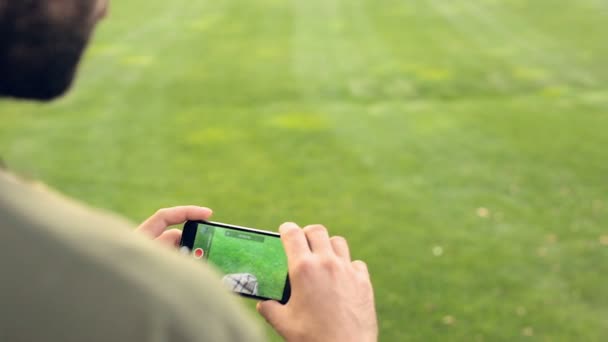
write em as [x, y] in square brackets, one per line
[198, 253]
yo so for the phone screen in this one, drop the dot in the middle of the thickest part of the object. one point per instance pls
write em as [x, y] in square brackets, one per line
[253, 263]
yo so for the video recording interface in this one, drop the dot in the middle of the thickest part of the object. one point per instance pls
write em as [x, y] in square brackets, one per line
[252, 263]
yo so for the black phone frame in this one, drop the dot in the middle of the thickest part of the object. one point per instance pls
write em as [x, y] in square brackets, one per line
[189, 234]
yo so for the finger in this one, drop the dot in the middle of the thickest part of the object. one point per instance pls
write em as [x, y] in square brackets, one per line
[272, 312]
[294, 242]
[170, 238]
[318, 239]
[361, 267]
[163, 218]
[340, 247]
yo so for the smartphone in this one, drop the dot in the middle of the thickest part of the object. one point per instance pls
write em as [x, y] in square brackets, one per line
[252, 261]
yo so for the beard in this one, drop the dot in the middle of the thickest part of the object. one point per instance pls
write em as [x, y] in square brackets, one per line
[42, 66]
[39, 53]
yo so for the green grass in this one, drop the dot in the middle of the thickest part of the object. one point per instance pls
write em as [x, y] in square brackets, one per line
[264, 259]
[459, 145]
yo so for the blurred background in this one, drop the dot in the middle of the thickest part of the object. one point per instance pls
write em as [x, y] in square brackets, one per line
[459, 145]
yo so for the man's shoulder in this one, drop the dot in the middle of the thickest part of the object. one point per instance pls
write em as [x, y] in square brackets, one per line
[74, 268]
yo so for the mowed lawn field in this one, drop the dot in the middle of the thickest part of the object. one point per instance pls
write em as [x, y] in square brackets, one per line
[460, 146]
[264, 259]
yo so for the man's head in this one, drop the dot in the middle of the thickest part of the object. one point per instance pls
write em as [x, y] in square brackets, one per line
[41, 42]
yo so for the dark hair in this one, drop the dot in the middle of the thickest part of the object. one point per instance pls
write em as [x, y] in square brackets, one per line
[39, 49]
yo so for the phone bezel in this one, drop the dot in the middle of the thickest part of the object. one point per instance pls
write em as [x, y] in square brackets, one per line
[189, 233]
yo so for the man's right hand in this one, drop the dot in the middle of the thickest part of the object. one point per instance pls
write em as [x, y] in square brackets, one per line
[331, 296]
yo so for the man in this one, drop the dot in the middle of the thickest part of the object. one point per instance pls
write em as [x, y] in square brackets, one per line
[71, 273]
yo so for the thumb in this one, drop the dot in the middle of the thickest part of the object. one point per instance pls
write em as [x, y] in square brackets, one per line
[272, 312]
[170, 238]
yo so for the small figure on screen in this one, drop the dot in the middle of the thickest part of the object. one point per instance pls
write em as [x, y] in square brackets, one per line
[245, 283]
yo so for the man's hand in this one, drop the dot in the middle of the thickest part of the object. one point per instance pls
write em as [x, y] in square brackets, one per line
[155, 227]
[331, 296]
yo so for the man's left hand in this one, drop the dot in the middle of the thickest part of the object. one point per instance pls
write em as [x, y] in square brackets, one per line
[156, 226]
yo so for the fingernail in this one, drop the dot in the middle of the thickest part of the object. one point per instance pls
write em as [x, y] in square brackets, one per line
[288, 225]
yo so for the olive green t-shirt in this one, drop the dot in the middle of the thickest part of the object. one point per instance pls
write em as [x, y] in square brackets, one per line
[72, 273]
